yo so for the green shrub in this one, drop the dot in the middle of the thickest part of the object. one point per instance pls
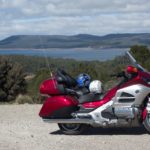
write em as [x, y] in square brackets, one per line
[12, 80]
[142, 55]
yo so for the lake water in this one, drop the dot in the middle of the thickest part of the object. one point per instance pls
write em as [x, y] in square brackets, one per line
[78, 53]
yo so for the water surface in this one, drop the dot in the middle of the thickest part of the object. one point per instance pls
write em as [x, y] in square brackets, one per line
[78, 53]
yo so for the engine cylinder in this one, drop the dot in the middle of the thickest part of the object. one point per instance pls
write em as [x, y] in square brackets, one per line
[125, 112]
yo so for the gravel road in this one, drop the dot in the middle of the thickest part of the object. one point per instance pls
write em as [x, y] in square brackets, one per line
[22, 129]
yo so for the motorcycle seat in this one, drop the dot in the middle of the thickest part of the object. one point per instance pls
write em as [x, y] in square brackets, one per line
[90, 97]
[82, 91]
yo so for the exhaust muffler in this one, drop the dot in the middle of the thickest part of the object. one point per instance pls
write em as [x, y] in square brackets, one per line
[76, 120]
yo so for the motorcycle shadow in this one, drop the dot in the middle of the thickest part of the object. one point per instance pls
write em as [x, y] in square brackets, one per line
[109, 131]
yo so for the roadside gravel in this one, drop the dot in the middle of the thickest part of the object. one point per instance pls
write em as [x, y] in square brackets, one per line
[22, 129]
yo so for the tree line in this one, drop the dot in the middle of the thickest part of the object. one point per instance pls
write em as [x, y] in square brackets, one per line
[14, 69]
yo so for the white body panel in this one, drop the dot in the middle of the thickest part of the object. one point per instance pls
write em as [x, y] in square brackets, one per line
[138, 91]
[97, 116]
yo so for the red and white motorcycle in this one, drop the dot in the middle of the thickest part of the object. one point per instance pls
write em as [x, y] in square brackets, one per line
[125, 105]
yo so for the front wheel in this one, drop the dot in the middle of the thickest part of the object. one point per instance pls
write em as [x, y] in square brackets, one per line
[72, 128]
[147, 123]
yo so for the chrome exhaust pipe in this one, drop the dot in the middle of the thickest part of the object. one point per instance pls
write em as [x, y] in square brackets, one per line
[76, 120]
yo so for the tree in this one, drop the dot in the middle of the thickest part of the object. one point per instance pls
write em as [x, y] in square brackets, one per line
[142, 55]
[12, 80]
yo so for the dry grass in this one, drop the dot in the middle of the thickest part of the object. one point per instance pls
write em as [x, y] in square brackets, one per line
[22, 99]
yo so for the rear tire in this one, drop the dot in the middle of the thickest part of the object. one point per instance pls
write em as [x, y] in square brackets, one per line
[72, 128]
[146, 123]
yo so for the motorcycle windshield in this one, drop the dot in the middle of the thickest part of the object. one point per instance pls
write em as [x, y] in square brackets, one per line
[134, 62]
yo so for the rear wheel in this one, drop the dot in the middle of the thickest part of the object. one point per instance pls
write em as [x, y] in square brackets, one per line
[147, 123]
[72, 128]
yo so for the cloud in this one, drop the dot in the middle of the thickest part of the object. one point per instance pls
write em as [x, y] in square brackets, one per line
[72, 17]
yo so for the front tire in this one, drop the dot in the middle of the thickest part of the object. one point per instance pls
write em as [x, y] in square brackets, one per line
[71, 128]
[146, 123]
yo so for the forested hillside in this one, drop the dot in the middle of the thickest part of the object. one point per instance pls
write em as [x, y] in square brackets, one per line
[75, 41]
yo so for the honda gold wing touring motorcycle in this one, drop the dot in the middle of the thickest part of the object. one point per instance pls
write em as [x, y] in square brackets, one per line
[125, 105]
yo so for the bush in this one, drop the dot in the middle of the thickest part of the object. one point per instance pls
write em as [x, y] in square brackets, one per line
[142, 55]
[12, 80]
[22, 99]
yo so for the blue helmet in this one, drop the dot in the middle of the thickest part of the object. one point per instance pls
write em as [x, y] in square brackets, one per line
[83, 80]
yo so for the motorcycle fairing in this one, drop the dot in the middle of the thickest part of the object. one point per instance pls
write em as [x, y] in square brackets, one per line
[135, 94]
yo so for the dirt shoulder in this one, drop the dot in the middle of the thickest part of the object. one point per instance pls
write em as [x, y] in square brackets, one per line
[22, 129]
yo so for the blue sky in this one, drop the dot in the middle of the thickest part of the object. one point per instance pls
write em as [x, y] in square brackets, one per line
[70, 17]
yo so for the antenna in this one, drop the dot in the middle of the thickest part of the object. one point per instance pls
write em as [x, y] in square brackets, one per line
[46, 59]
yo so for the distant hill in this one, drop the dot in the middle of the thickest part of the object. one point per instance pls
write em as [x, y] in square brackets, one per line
[76, 41]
